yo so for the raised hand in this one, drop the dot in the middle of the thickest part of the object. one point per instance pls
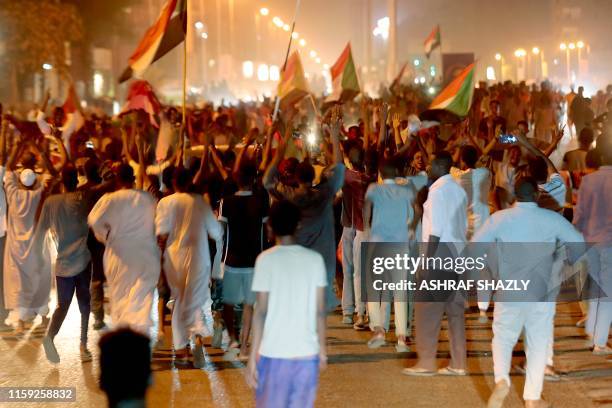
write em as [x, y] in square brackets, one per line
[396, 120]
[336, 120]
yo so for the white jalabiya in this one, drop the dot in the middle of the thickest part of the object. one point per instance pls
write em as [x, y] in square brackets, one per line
[27, 280]
[124, 222]
[188, 220]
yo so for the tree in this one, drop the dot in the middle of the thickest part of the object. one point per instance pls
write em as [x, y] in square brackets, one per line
[36, 32]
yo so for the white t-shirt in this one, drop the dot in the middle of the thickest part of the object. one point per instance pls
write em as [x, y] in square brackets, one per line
[291, 275]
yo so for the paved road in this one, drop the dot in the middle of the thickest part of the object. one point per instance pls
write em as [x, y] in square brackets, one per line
[356, 376]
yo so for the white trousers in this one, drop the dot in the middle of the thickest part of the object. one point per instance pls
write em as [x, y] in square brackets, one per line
[509, 319]
[380, 311]
[599, 319]
[351, 270]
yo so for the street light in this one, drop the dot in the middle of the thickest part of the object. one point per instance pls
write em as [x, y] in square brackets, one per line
[536, 51]
[264, 11]
[571, 46]
[519, 54]
[500, 58]
[562, 46]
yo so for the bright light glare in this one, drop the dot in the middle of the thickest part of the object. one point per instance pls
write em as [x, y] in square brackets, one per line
[417, 62]
[46, 66]
[204, 36]
[295, 35]
[571, 46]
[98, 83]
[264, 11]
[318, 60]
[422, 79]
[535, 50]
[199, 25]
[498, 57]
[382, 28]
[313, 54]
[274, 73]
[326, 66]
[116, 108]
[286, 27]
[311, 139]
[416, 80]
[562, 46]
[248, 69]
[490, 73]
[277, 22]
[431, 90]
[262, 72]
[302, 42]
[580, 44]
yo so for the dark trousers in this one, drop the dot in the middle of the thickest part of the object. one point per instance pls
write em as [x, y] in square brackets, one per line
[65, 291]
[97, 280]
[428, 318]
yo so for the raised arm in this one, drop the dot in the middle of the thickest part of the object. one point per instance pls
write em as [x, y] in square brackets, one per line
[248, 141]
[536, 152]
[140, 175]
[203, 170]
[557, 136]
[218, 162]
[382, 134]
[335, 125]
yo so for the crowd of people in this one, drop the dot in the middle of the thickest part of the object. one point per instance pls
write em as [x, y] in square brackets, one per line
[260, 219]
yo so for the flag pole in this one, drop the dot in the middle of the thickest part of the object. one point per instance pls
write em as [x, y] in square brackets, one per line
[185, 65]
[441, 56]
[295, 14]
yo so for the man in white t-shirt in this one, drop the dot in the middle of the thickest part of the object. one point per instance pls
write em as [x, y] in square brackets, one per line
[288, 347]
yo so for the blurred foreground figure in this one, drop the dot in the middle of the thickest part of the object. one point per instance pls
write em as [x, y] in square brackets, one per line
[538, 225]
[288, 346]
[125, 222]
[125, 368]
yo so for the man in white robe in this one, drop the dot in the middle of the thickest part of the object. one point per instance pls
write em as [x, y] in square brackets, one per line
[183, 223]
[27, 278]
[124, 221]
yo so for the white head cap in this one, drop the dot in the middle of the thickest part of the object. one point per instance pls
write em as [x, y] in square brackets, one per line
[27, 177]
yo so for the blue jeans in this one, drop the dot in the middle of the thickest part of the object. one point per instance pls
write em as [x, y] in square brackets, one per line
[285, 382]
[65, 290]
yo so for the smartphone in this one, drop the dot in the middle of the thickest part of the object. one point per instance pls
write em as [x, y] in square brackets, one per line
[507, 139]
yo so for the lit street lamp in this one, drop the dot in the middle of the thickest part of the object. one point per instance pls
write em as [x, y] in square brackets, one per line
[264, 11]
[538, 53]
[500, 58]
